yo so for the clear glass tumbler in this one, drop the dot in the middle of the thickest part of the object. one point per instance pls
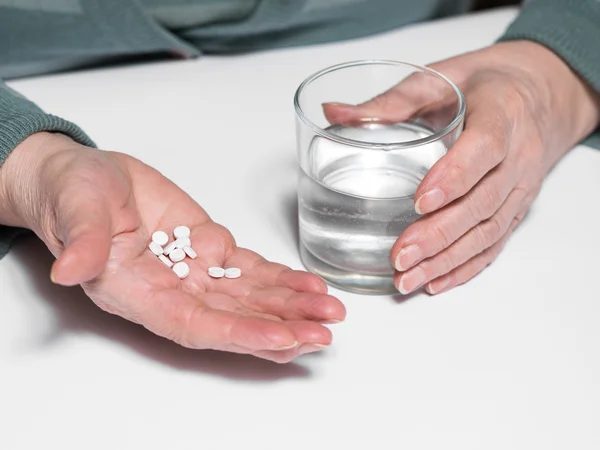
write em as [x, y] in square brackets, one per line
[367, 133]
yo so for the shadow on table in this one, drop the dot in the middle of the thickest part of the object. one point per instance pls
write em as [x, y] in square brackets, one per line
[76, 313]
[290, 208]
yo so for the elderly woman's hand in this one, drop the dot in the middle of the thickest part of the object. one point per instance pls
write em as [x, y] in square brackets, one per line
[96, 211]
[525, 109]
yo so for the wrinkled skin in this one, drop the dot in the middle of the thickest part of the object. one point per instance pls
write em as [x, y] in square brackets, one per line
[525, 110]
[96, 211]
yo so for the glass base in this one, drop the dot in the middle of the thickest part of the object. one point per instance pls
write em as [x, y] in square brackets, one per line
[347, 281]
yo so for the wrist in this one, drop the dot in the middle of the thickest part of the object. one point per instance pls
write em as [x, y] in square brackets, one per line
[572, 107]
[23, 201]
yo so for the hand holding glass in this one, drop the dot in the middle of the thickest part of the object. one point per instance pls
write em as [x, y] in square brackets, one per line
[362, 155]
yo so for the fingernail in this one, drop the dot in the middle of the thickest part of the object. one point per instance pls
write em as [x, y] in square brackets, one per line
[408, 257]
[411, 280]
[331, 321]
[310, 348]
[286, 347]
[52, 273]
[438, 285]
[337, 104]
[430, 201]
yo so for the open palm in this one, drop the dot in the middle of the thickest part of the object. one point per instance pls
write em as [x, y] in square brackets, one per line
[107, 207]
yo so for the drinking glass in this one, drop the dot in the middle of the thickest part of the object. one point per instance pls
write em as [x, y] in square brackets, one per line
[367, 134]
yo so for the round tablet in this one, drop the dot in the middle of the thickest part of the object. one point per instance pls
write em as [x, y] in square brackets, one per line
[167, 262]
[181, 269]
[160, 237]
[190, 252]
[183, 242]
[177, 255]
[169, 248]
[181, 232]
[233, 272]
[216, 272]
[155, 248]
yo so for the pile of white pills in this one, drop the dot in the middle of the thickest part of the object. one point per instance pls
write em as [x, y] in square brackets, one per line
[172, 254]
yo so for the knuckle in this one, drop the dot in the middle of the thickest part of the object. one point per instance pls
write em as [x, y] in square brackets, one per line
[490, 137]
[225, 238]
[493, 229]
[385, 101]
[517, 101]
[480, 239]
[439, 265]
[493, 142]
[180, 329]
[498, 151]
[484, 201]
[440, 236]
[457, 176]
[516, 221]
[446, 263]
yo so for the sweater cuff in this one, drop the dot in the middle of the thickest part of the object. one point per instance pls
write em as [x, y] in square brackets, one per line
[571, 29]
[20, 118]
[13, 132]
[568, 27]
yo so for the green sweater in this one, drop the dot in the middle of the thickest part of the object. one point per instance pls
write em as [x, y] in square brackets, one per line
[44, 36]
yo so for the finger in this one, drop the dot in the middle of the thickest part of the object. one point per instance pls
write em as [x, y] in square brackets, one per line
[419, 93]
[86, 235]
[301, 281]
[481, 147]
[311, 337]
[266, 273]
[475, 241]
[433, 233]
[287, 356]
[185, 319]
[474, 266]
[292, 305]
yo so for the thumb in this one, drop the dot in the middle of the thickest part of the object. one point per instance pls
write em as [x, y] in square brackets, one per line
[87, 235]
[418, 94]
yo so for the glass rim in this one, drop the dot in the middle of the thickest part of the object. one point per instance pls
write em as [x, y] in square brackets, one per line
[379, 145]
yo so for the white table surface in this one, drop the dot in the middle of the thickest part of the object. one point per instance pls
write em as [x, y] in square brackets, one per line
[509, 361]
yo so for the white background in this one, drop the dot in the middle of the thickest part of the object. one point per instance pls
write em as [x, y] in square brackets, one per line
[509, 361]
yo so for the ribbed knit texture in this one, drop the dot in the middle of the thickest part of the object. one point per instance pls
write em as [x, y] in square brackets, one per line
[20, 118]
[571, 28]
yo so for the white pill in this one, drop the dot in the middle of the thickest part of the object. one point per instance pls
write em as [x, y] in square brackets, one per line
[181, 269]
[181, 232]
[177, 255]
[155, 248]
[183, 242]
[165, 260]
[216, 272]
[233, 272]
[169, 248]
[190, 252]
[160, 237]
